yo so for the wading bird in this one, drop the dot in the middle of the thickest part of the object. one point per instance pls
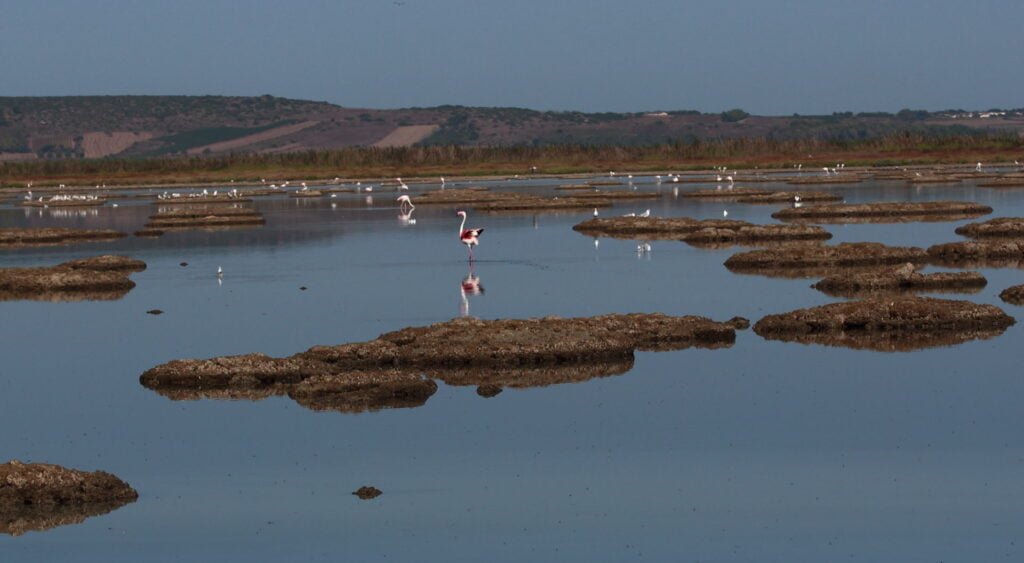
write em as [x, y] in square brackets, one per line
[468, 237]
[404, 202]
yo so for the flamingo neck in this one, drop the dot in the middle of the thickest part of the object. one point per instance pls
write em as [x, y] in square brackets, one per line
[463, 224]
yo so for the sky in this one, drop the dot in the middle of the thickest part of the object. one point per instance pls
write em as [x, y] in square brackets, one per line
[768, 57]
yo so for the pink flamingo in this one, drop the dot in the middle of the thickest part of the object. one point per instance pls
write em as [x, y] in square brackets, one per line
[468, 237]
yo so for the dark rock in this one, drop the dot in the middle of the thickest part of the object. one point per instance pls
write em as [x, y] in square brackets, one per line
[366, 493]
[488, 390]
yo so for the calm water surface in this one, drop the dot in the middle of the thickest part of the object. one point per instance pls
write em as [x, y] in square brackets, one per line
[764, 451]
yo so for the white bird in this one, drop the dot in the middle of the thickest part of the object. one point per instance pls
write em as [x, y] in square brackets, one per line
[220, 272]
[403, 201]
[725, 213]
[595, 212]
[646, 213]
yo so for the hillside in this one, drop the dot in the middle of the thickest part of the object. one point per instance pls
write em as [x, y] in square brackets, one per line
[151, 126]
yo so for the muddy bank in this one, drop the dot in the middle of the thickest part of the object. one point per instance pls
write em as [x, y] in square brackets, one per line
[107, 263]
[18, 237]
[887, 324]
[790, 198]
[901, 279]
[39, 496]
[1016, 182]
[387, 371]
[815, 261]
[884, 211]
[826, 180]
[1013, 295]
[58, 202]
[191, 218]
[306, 193]
[979, 253]
[541, 204]
[725, 193]
[186, 200]
[998, 227]
[687, 229]
[759, 196]
[99, 278]
[575, 187]
[618, 195]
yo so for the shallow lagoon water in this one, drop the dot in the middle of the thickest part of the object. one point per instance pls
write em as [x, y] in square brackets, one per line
[763, 451]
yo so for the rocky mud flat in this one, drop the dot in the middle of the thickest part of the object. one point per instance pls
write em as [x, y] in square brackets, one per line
[725, 193]
[40, 496]
[201, 200]
[997, 227]
[1008, 182]
[51, 202]
[978, 253]
[883, 212]
[98, 278]
[1013, 295]
[691, 230]
[198, 218]
[306, 193]
[790, 197]
[818, 261]
[826, 180]
[887, 324]
[899, 280]
[759, 196]
[19, 237]
[389, 371]
[543, 203]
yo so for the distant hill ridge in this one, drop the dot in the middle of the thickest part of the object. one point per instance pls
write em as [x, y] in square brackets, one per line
[153, 126]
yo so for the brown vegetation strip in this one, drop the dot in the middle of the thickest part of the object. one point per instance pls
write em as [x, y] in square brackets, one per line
[900, 279]
[39, 496]
[998, 227]
[912, 210]
[887, 324]
[55, 235]
[698, 231]
[385, 372]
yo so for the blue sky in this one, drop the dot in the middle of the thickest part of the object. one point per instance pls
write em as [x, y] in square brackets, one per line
[767, 57]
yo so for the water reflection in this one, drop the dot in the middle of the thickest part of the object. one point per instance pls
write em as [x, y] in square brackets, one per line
[18, 519]
[469, 286]
[888, 341]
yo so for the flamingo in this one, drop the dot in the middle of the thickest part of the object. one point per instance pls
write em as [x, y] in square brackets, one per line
[404, 201]
[468, 237]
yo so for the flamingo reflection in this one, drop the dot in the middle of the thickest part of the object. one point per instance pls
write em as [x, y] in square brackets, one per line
[405, 210]
[470, 285]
